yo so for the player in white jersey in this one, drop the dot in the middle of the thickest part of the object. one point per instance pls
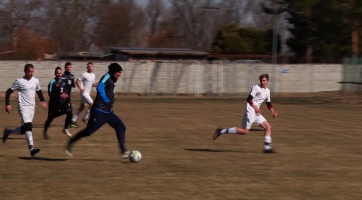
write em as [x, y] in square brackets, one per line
[257, 95]
[85, 82]
[26, 86]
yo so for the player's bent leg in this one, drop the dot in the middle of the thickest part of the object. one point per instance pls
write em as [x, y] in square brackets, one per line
[85, 118]
[28, 127]
[68, 121]
[8, 132]
[77, 113]
[267, 138]
[97, 120]
[115, 122]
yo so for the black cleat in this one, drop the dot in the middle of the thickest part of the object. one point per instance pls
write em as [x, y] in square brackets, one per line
[68, 151]
[217, 133]
[6, 134]
[269, 151]
[34, 151]
[45, 134]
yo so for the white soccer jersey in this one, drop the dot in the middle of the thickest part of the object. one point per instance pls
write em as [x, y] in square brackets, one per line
[26, 90]
[259, 96]
[87, 80]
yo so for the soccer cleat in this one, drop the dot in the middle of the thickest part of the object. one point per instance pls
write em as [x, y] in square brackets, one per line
[6, 134]
[73, 125]
[217, 133]
[125, 154]
[66, 132]
[45, 134]
[85, 121]
[269, 151]
[68, 151]
[34, 151]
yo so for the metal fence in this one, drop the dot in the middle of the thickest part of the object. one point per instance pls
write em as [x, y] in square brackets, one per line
[352, 74]
[192, 78]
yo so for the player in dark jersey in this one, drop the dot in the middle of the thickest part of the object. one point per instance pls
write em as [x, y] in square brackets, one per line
[59, 102]
[102, 113]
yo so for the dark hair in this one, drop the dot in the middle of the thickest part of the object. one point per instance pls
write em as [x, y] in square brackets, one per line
[90, 63]
[28, 66]
[264, 76]
[57, 68]
[67, 64]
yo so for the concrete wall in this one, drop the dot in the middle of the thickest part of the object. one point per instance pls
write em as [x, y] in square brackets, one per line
[191, 78]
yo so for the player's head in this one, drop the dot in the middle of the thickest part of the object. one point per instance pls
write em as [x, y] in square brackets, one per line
[29, 71]
[264, 80]
[89, 67]
[115, 70]
[68, 67]
[58, 73]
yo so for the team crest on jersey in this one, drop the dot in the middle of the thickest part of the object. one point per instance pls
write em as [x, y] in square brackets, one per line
[57, 85]
[258, 94]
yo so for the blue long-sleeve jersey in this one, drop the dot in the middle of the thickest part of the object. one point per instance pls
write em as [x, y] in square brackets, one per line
[105, 94]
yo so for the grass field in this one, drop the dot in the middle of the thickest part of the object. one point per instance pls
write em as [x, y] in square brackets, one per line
[319, 145]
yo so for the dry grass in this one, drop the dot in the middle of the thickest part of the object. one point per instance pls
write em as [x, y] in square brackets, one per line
[319, 144]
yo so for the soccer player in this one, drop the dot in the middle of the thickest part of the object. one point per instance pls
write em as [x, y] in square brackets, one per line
[85, 82]
[69, 78]
[59, 102]
[258, 94]
[102, 112]
[26, 86]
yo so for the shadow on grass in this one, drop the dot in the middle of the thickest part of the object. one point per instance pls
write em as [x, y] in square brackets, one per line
[215, 150]
[254, 129]
[14, 138]
[43, 159]
[62, 160]
[42, 125]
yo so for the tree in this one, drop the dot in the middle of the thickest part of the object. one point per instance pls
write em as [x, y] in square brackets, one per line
[120, 24]
[232, 38]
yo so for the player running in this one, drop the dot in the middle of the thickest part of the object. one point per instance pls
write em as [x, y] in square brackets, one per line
[258, 94]
[26, 86]
[102, 112]
[59, 103]
[85, 82]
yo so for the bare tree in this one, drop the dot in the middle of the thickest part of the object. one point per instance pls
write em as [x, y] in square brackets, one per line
[70, 23]
[15, 14]
[154, 10]
[120, 24]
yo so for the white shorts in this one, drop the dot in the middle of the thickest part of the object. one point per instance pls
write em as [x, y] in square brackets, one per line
[85, 98]
[26, 114]
[250, 118]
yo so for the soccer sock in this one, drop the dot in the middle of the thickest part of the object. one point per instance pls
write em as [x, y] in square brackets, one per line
[267, 143]
[29, 138]
[68, 119]
[86, 114]
[229, 131]
[16, 130]
[76, 116]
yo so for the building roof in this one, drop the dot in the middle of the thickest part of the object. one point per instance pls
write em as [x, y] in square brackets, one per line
[158, 51]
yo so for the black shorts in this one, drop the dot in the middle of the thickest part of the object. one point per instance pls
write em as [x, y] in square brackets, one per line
[58, 110]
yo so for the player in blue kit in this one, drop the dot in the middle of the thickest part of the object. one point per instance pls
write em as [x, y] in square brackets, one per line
[102, 113]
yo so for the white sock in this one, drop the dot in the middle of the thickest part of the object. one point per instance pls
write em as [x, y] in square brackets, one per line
[16, 130]
[29, 138]
[229, 130]
[267, 142]
[76, 116]
[86, 114]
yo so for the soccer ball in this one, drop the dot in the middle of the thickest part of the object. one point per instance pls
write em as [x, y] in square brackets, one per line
[134, 156]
